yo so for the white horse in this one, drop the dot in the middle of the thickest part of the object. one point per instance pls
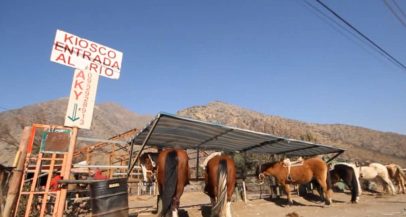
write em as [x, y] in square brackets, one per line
[357, 175]
[377, 171]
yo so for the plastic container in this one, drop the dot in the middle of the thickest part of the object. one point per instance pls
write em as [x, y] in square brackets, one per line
[109, 198]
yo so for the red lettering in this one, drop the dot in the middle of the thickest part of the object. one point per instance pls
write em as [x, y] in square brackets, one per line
[93, 66]
[86, 54]
[115, 65]
[83, 43]
[100, 50]
[78, 84]
[66, 38]
[61, 57]
[111, 54]
[97, 59]
[81, 74]
[58, 45]
[69, 49]
[77, 51]
[93, 47]
[69, 63]
[106, 61]
[76, 40]
[77, 94]
[108, 72]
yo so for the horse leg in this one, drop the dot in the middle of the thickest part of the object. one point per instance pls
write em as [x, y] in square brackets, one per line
[287, 191]
[159, 205]
[175, 203]
[390, 184]
[176, 199]
[323, 186]
[228, 209]
[230, 191]
[401, 184]
[354, 197]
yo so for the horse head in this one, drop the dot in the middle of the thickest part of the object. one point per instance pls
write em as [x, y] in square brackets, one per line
[148, 166]
[260, 176]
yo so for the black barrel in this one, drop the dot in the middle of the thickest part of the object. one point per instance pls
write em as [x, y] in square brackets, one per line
[109, 198]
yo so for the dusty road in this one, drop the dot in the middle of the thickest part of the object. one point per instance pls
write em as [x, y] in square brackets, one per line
[371, 205]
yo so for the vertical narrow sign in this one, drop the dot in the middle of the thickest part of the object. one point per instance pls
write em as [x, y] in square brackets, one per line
[82, 99]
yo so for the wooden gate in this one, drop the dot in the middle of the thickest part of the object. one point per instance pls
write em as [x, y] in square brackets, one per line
[49, 154]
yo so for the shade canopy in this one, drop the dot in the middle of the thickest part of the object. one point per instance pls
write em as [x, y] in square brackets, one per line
[172, 130]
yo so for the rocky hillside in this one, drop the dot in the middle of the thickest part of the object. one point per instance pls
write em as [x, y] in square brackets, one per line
[362, 144]
[109, 119]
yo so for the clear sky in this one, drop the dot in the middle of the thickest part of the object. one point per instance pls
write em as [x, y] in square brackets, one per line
[275, 57]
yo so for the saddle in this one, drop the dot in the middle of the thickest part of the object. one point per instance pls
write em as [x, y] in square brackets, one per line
[287, 163]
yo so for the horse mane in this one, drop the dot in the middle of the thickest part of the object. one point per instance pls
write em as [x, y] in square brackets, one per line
[347, 164]
[265, 166]
[208, 158]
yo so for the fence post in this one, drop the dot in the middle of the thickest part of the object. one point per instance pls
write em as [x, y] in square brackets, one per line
[15, 179]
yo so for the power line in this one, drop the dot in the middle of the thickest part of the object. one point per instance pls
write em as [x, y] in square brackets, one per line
[387, 55]
[333, 23]
[400, 9]
[394, 12]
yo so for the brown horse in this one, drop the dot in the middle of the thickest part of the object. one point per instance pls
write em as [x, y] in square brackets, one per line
[220, 179]
[173, 176]
[148, 166]
[310, 169]
[396, 173]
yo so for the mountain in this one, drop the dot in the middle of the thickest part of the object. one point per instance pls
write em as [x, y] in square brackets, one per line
[361, 144]
[109, 119]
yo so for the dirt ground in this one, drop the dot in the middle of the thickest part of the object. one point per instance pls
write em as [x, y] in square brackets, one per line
[197, 204]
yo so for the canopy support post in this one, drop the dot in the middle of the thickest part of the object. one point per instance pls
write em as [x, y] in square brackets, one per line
[197, 162]
[131, 156]
[335, 156]
[142, 147]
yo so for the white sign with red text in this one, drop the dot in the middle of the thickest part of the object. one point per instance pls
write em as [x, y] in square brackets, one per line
[80, 53]
[82, 99]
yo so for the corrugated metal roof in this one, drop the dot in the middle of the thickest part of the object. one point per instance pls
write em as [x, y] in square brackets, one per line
[172, 130]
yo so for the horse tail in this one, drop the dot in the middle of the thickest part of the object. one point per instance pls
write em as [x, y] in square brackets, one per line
[328, 181]
[220, 204]
[169, 187]
[401, 172]
[355, 192]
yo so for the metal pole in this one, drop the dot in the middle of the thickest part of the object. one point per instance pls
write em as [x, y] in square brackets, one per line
[142, 146]
[131, 155]
[244, 191]
[197, 162]
[335, 156]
